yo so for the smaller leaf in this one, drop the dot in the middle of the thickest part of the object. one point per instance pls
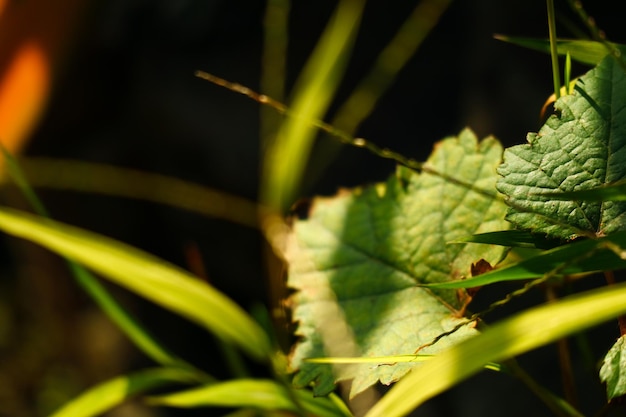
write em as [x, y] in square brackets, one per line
[251, 393]
[613, 370]
[573, 258]
[583, 51]
[111, 393]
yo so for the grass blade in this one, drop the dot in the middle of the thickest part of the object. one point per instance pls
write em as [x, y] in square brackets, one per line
[260, 394]
[146, 275]
[573, 258]
[126, 323]
[518, 334]
[583, 51]
[285, 159]
[111, 393]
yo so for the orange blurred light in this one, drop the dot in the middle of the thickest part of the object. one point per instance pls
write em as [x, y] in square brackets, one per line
[23, 90]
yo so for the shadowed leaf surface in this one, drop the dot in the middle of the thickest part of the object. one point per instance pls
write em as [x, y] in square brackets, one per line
[580, 148]
[356, 260]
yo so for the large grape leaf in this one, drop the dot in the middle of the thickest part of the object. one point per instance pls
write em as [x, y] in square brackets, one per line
[356, 260]
[582, 146]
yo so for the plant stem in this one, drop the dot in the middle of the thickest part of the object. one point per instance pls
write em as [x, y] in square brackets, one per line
[556, 78]
[558, 406]
[565, 361]
[621, 320]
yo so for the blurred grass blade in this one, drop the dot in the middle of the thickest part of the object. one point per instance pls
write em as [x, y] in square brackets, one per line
[109, 394]
[146, 275]
[91, 177]
[585, 256]
[273, 64]
[260, 394]
[126, 323]
[418, 24]
[285, 159]
[360, 104]
[583, 51]
[523, 332]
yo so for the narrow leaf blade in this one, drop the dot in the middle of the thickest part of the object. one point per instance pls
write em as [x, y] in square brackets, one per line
[586, 256]
[109, 394]
[250, 393]
[146, 275]
[518, 334]
[584, 51]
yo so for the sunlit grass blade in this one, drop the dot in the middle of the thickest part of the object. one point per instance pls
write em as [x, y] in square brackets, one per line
[583, 51]
[126, 323]
[146, 275]
[259, 394]
[384, 360]
[516, 335]
[581, 257]
[567, 74]
[285, 159]
[112, 393]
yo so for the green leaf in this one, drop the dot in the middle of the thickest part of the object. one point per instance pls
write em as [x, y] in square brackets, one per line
[146, 275]
[582, 257]
[582, 147]
[357, 260]
[251, 393]
[584, 51]
[523, 332]
[613, 370]
[112, 393]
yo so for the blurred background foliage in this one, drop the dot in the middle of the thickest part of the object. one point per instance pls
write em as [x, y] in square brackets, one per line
[113, 82]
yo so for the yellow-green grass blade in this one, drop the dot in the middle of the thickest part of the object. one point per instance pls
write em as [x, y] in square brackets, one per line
[91, 177]
[150, 277]
[516, 335]
[111, 393]
[362, 101]
[286, 158]
[125, 322]
[262, 394]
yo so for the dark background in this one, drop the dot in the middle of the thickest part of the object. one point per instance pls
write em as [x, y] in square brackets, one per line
[126, 94]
